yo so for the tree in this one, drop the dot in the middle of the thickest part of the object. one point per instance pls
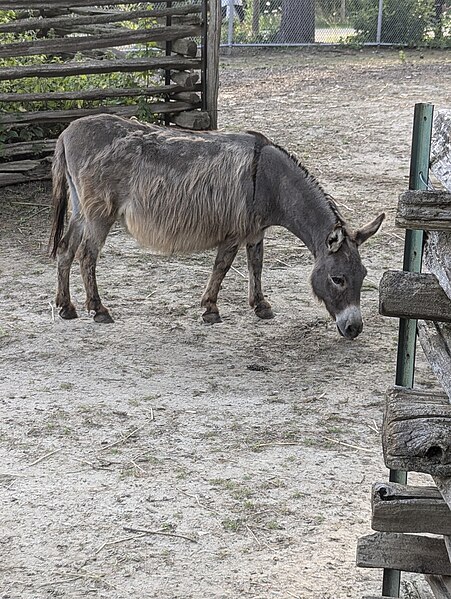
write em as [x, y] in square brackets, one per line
[298, 21]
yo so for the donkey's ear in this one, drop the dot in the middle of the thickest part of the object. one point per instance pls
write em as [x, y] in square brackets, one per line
[368, 230]
[335, 239]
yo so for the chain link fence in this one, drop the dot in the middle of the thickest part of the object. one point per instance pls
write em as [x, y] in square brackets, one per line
[305, 22]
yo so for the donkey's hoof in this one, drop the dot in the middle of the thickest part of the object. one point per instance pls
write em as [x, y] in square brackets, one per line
[264, 311]
[68, 312]
[103, 317]
[211, 317]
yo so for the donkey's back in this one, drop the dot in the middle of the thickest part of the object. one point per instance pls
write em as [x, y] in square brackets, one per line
[176, 191]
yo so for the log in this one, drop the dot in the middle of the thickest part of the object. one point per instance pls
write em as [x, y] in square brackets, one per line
[43, 171]
[40, 146]
[65, 116]
[99, 94]
[54, 4]
[190, 97]
[129, 65]
[74, 21]
[444, 486]
[437, 258]
[413, 295]
[416, 432]
[428, 210]
[409, 553]
[440, 586]
[435, 339]
[185, 78]
[72, 45]
[192, 119]
[18, 166]
[401, 508]
[184, 47]
[441, 148]
[212, 62]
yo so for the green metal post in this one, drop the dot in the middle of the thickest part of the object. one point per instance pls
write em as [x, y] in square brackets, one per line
[413, 253]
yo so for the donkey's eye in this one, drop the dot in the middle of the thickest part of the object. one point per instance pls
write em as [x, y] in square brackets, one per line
[338, 281]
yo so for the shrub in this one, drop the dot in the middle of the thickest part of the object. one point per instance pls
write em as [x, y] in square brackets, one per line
[404, 22]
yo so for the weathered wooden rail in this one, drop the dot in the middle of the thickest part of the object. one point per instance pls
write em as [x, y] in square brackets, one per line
[165, 73]
[417, 424]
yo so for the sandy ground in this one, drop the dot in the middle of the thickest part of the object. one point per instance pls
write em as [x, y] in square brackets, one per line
[163, 458]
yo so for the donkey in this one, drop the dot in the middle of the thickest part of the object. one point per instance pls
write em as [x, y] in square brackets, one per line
[180, 191]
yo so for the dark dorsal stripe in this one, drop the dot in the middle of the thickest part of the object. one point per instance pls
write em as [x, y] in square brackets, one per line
[260, 142]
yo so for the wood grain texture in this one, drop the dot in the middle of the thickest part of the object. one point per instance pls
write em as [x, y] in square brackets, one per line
[435, 339]
[402, 508]
[428, 210]
[130, 65]
[409, 553]
[440, 586]
[413, 295]
[416, 433]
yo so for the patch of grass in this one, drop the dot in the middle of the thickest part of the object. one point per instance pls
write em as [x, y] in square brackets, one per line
[232, 524]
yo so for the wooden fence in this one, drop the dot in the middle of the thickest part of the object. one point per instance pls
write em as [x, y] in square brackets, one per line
[417, 424]
[62, 60]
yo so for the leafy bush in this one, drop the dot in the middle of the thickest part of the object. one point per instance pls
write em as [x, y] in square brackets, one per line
[405, 22]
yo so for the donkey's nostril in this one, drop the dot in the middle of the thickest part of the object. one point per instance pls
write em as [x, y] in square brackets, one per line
[352, 330]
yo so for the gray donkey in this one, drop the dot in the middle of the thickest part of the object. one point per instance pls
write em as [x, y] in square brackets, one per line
[179, 191]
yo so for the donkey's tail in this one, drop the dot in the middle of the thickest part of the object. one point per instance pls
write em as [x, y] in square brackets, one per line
[60, 197]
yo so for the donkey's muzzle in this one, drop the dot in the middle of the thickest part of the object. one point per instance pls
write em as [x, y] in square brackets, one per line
[349, 322]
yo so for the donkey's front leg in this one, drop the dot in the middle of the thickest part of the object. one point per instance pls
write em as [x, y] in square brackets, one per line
[262, 308]
[224, 258]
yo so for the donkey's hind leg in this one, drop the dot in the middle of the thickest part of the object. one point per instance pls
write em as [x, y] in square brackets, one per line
[65, 256]
[94, 237]
[224, 258]
[262, 308]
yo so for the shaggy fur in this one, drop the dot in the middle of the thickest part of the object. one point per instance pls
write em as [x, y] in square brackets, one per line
[179, 191]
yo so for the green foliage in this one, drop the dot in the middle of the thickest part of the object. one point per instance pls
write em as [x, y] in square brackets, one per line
[85, 82]
[404, 22]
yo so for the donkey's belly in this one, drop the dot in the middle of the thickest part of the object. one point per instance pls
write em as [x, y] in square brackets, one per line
[176, 230]
[173, 238]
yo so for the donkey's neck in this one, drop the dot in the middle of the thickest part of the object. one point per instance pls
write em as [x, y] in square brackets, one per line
[305, 210]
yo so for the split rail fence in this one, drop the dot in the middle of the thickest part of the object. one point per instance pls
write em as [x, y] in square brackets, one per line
[417, 424]
[62, 60]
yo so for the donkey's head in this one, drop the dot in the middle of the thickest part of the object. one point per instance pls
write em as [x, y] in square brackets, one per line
[338, 276]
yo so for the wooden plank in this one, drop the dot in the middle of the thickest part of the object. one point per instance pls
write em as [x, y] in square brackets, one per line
[65, 116]
[53, 4]
[416, 433]
[401, 508]
[441, 148]
[440, 586]
[40, 173]
[192, 119]
[99, 94]
[129, 65]
[40, 146]
[72, 45]
[437, 258]
[444, 486]
[212, 62]
[435, 339]
[413, 295]
[428, 210]
[73, 21]
[186, 78]
[185, 47]
[18, 166]
[408, 553]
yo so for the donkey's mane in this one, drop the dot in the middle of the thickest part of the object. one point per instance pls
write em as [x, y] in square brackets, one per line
[308, 175]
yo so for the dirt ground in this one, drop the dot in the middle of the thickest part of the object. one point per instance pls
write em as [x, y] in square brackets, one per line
[161, 457]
